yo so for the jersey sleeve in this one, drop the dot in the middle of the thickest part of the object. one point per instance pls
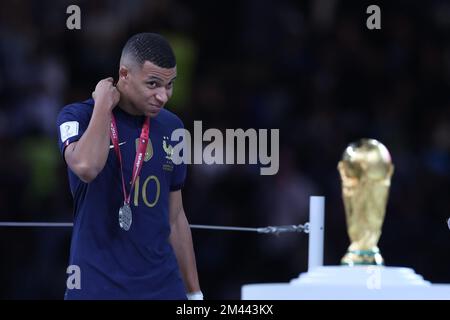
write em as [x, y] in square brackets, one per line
[71, 123]
[179, 170]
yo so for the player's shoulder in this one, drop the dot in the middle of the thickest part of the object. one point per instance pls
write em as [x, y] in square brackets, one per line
[83, 108]
[168, 118]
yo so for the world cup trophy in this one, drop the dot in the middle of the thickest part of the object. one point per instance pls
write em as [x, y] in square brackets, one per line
[366, 169]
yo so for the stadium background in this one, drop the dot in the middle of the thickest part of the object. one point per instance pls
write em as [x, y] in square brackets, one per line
[311, 69]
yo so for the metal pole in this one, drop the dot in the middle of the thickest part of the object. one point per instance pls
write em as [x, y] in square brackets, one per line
[316, 232]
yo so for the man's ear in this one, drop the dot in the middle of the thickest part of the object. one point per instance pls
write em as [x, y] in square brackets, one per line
[123, 73]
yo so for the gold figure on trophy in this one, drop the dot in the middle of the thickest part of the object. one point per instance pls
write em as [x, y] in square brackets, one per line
[366, 169]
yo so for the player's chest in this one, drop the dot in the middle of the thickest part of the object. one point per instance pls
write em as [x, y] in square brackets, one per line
[158, 152]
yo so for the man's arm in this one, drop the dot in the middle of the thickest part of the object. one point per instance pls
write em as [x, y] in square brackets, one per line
[181, 241]
[87, 156]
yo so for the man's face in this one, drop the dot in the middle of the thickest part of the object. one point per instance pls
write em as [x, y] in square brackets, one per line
[149, 87]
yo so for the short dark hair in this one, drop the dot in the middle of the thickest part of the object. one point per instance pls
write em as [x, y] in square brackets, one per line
[150, 47]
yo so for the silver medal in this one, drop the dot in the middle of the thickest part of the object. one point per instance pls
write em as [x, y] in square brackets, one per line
[125, 217]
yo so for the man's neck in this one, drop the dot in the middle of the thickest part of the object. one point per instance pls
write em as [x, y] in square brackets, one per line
[126, 105]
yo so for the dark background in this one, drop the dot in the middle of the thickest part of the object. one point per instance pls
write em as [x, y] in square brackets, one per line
[311, 69]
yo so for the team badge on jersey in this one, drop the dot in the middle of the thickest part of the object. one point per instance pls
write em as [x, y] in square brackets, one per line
[148, 151]
[168, 149]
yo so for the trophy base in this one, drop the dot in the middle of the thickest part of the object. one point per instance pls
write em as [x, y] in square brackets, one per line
[350, 283]
[362, 258]
[361, 276]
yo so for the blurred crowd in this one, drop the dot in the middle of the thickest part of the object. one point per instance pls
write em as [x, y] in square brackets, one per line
[311, 69]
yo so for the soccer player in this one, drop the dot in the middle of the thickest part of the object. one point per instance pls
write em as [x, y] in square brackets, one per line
[131, 238]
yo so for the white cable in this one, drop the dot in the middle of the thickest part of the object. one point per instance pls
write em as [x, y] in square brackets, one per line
[269, 229]
[35, 224]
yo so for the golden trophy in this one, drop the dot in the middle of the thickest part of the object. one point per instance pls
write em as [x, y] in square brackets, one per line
[366, 169]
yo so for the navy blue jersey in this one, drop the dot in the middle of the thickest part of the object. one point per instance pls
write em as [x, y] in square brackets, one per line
[117, 264]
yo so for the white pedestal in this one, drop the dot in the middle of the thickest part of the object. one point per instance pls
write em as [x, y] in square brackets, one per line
[351, 283]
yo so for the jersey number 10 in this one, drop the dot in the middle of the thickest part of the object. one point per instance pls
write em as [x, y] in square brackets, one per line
[150, 179]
